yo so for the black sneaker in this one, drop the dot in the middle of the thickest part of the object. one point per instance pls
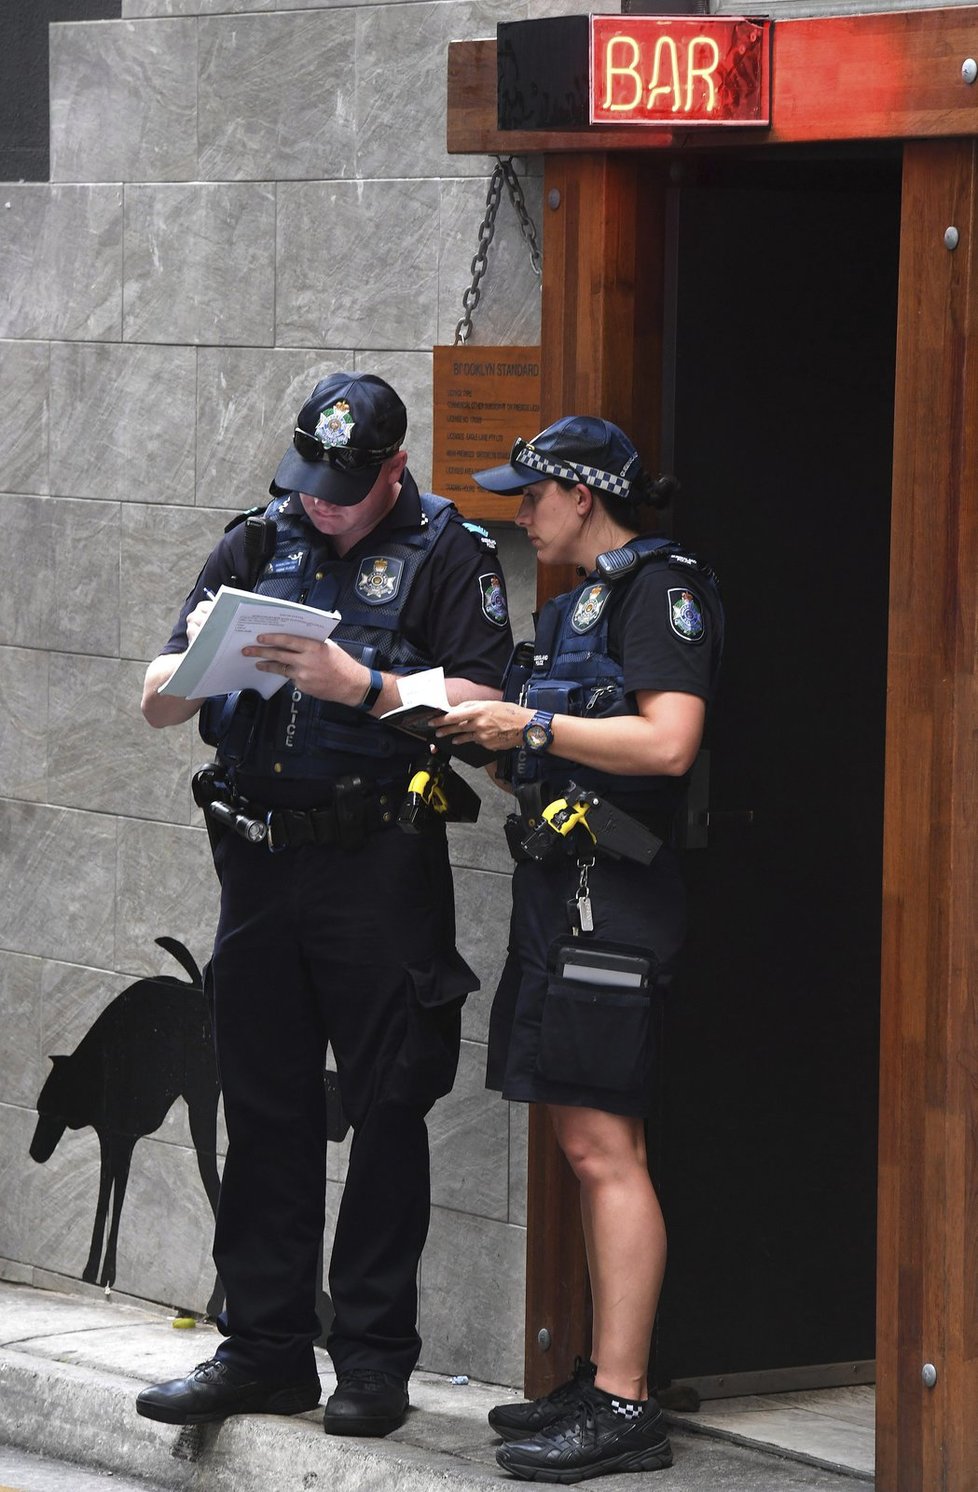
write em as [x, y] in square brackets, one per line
[591, 1440]
[366, 1402]
[214, 1390]
[515, 1421]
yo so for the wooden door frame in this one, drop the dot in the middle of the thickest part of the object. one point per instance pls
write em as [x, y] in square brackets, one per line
[894, 76]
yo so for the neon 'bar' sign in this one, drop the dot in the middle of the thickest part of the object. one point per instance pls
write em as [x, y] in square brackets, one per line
[679, 71]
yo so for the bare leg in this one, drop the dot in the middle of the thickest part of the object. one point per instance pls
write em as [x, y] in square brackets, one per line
[625, 1238]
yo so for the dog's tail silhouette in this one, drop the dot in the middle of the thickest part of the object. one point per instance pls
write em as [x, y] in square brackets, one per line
[183, 958]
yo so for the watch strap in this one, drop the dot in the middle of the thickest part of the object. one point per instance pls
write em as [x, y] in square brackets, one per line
[373, 690]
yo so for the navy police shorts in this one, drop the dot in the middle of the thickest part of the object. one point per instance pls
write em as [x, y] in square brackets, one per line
[596, 1048]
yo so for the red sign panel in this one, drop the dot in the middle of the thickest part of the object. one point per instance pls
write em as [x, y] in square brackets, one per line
[680, 71]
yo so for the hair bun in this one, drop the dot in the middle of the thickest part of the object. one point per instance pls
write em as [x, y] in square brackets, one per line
[655, 492]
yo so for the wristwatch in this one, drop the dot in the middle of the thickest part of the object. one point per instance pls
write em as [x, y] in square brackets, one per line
[537, 735]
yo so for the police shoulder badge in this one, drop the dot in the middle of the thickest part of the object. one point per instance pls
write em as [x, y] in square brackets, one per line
[686, 615]
[590, 604]
[494, 607]
[334, 426]
[379, 579]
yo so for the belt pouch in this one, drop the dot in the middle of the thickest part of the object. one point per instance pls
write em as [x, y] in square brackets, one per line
[349, 801]
[597, 1016]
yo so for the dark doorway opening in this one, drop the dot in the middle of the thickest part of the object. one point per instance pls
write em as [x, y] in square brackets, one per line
[25, 138]
[779, 415]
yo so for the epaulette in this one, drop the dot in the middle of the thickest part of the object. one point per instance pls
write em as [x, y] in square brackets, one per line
[690, 562]
[618, 564]
[242, 517]
[481, 533]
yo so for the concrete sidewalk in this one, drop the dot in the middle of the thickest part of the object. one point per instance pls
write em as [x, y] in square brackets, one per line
[70, 1368]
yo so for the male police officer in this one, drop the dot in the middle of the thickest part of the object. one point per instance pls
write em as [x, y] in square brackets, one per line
[336, 926]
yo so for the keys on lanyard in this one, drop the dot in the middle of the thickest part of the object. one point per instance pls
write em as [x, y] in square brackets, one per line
[579, 906]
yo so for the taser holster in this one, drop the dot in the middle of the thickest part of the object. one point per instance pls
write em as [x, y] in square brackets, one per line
[436, 791]
[581, 819]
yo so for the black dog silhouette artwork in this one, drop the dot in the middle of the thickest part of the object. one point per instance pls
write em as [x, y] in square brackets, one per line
[152, 1045]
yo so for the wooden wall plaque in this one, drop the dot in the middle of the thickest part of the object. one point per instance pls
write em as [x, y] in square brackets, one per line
[482, 399]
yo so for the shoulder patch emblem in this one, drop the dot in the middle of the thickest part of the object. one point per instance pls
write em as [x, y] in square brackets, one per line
[494, 607]
[379, 579]
[686, 616]
[591, 603]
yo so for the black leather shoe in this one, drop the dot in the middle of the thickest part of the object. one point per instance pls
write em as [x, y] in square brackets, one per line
[590, 1440]
[515, 1421]
[366, 1402]
[213, 1390]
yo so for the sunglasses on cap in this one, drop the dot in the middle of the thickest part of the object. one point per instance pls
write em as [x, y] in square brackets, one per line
[341, 458]
[525, 454]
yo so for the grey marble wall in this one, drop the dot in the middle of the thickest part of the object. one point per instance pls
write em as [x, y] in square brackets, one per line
[244, 195]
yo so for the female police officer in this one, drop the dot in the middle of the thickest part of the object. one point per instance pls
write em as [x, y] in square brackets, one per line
[612, 697]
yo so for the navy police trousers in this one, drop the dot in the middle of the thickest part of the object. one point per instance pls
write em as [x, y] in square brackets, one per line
[354, 948]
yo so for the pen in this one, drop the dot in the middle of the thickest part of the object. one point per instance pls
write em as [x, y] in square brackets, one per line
[209, 594]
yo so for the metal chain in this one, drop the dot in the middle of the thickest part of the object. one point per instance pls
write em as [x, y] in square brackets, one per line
[502, 172]
[519, 207]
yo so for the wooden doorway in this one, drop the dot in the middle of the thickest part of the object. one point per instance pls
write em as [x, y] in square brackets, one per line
[902, 77]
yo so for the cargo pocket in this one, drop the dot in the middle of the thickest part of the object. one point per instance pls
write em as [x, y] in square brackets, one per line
[428, 1059]
[595, 1037]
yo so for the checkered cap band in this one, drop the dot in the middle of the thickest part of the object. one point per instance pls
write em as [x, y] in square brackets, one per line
[592, 476]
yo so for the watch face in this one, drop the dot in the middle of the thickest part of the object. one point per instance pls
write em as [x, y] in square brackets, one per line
[536, 737]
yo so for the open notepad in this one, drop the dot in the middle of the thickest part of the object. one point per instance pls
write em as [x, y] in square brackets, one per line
[423, 698]
[213, 663]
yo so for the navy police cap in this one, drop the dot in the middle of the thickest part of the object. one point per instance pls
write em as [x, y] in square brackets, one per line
[577, 448]
[348, 427]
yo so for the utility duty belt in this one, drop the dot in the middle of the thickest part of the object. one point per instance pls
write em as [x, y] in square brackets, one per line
[577, 820]
[359, 807]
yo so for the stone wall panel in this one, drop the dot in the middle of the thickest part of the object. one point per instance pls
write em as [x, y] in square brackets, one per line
[277, 96]
[21, 1002]
[482, 1264]
[24, 729]
[482, 906]
[102, 755]
[200, 263]
[402, 54]
[166, 887]
[84, 616]
[46, 911]
[357, 264]
[61, 261]
[469, 1132]
[24, 427]
[123, 421]
[161, 552]
[124, 101]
